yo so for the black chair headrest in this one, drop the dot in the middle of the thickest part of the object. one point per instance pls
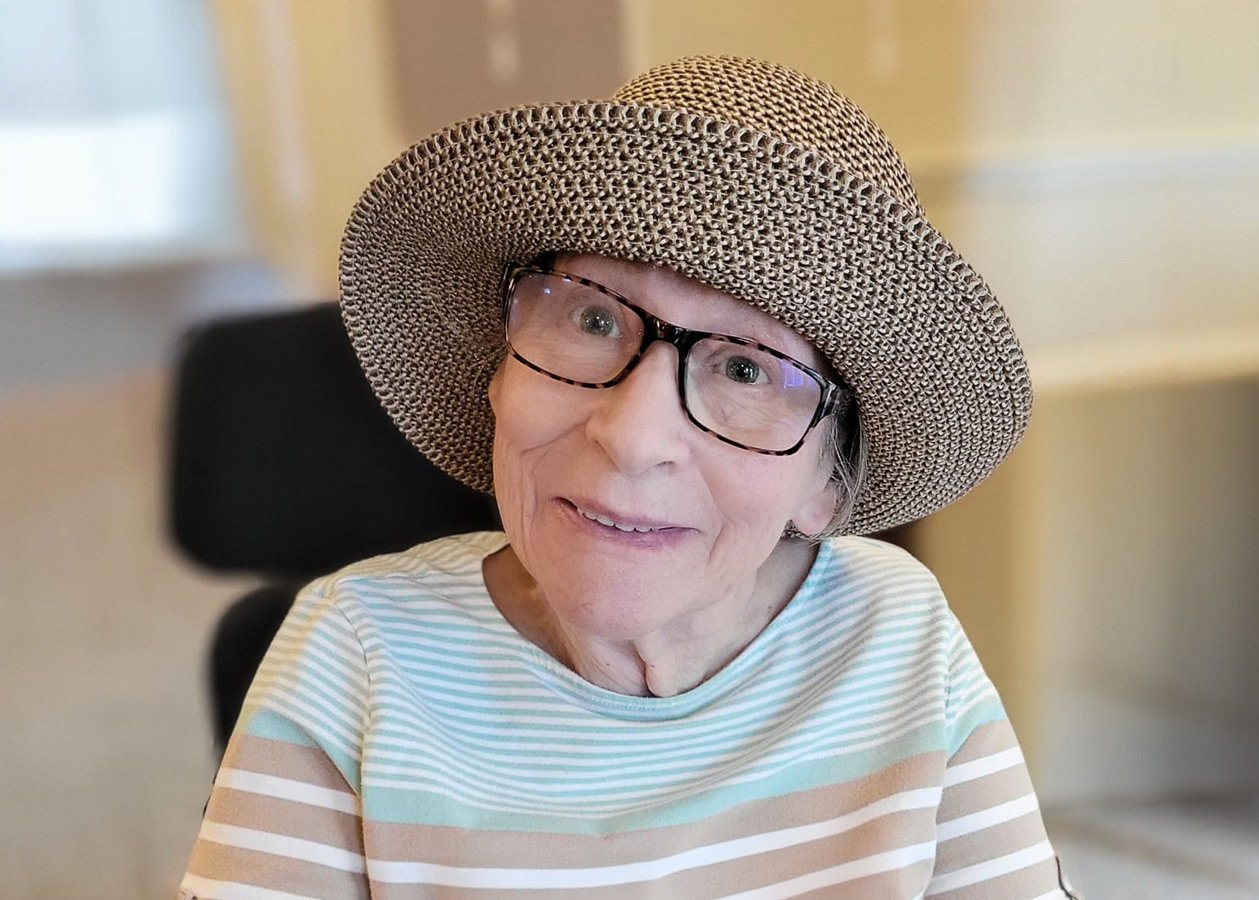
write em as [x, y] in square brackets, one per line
[284, 462]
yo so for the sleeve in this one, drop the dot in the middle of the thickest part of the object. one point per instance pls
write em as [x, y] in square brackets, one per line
[284, 819]
[990, 839]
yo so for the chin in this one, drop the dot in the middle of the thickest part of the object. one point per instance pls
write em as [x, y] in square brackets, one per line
[619, 609]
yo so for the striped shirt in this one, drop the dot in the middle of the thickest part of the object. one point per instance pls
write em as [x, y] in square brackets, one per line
[402, 740]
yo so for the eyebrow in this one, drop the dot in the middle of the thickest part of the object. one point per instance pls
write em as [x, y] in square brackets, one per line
[763, 334]
[750, 326]
[784, 339]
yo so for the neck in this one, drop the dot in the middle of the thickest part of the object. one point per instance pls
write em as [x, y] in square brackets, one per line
[662, 663]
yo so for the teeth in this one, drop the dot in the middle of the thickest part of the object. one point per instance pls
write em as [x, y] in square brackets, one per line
[604, 520]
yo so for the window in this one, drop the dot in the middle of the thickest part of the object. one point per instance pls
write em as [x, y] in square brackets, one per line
[114, 146]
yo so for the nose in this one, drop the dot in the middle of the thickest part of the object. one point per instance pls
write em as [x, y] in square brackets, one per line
[640, 423]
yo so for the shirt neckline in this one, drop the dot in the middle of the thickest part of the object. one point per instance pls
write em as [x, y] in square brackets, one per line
[605, 702]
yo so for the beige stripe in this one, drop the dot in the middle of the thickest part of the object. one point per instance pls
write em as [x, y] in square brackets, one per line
[501, 849]
[889, 833]
[755, 871]
[1030, 882]
[1008, 837]
[983, 793]
[908, 882]
[299, 820]
[279, 873]
[985, 740]
[284, 760]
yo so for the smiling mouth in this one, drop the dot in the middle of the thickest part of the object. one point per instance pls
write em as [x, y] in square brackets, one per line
[604, 520]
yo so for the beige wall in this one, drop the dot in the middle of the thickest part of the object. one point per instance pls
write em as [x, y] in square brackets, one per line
[1090, 158]
[1149, 586]
[315, 118]
[906, 64]
[324, 93]
[456, 60]
[1107, 576]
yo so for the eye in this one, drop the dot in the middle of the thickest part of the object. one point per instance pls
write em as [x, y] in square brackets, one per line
[743, 370]
[597, 321]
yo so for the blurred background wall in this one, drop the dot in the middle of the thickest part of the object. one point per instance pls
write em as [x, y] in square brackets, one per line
[161, 163]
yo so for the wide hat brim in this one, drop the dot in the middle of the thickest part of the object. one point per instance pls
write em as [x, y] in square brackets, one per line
[941, 383]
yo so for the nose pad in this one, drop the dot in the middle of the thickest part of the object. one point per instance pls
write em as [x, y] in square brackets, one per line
[640, 423]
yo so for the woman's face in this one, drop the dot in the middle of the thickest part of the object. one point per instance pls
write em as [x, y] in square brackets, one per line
[704, 515]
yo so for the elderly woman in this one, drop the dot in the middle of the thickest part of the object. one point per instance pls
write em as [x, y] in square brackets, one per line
[688, 337]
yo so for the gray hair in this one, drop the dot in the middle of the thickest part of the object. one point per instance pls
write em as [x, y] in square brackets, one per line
[844, 449]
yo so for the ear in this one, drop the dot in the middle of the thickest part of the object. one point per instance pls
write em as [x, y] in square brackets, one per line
[817, 507]
[495, 389]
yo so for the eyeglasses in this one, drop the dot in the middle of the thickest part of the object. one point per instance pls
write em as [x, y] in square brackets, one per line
[582, 333]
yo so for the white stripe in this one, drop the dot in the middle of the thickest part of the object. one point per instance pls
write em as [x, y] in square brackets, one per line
[282, 845]
[986, 818]
[990, 869]
[411, 623]
[405, 755]
[499, 770]
[393, 872]
[980, 691]
[323, 621]
[836, 711]
[454, 686]
[337, 656]
[471, 684]
[985, 765]
[234, 890]
[839, 714]
[888, 861]
[608, 803]
[884, 652]
[288, 789]
[290, 698]
[432, 651]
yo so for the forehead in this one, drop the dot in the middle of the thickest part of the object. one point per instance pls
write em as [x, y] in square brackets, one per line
[690, 303]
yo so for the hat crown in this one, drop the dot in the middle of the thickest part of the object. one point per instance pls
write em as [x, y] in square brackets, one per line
[783, 104]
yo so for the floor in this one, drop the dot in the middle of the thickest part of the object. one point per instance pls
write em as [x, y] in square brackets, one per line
[105, 749]
[1199, 849]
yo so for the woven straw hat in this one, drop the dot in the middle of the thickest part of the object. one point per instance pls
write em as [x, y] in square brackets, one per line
[746, 175]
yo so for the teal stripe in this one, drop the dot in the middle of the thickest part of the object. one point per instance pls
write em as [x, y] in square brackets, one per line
[401, 806]
[648, 737]
[263, 723]
[983, 713]
[554, 781]
[769, 688]
[575, 756]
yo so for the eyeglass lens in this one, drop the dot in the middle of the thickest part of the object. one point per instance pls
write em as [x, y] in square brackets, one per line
[734, 388]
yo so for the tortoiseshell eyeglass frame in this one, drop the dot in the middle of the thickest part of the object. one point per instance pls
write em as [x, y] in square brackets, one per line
[833, 394]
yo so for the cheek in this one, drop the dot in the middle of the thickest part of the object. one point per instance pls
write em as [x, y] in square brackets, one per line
[531, 418]
[765, 492]
[507, 478]
[507, 438]
[496, 387]
[749, 491]
[530, 410]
